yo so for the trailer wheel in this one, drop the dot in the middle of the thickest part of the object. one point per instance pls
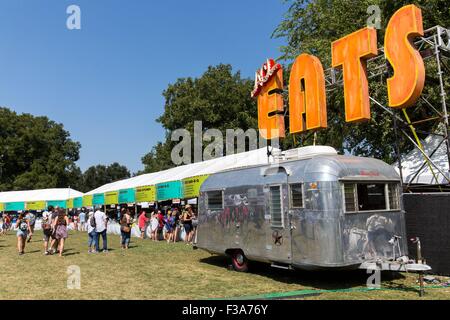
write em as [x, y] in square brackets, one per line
[239, 261]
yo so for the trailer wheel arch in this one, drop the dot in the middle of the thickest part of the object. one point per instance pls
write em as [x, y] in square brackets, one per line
[238, 259]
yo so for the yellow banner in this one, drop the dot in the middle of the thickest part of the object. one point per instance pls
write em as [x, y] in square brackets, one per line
[191, 186]
[36, 205]
[2, 207]
[146, 194]
[112, 197]
[87, 201]
[69, 204]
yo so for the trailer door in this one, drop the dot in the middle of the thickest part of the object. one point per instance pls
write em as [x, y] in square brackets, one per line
[278, 237]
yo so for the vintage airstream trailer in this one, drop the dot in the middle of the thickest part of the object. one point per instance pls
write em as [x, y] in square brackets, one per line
[313, 209]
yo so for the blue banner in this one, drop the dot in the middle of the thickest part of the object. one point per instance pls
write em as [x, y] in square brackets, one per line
[98, 199]
[169, 190]
[127, 196]
[14, 206]
[57, 203]
[78, 202]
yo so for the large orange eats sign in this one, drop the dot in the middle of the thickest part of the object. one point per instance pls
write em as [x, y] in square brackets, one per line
[307, 98]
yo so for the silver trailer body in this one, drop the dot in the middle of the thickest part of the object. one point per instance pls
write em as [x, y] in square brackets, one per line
[326, 211]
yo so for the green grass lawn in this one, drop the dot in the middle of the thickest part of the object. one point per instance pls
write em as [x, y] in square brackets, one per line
[150, 270]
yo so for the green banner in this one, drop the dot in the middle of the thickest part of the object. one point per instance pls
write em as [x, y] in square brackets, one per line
[169, 190]
[14, 206]
[146, 194]
[98, 199]
[57, 203]
[127, 196]
[36, 205]
[78, 202]
[112, 197]
[191, 186]
[87, 200]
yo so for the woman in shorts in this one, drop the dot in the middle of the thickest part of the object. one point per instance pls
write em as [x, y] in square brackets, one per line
[60, 226]
[23, 229]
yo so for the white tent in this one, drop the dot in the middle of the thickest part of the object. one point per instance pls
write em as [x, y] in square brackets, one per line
[415, 160]
[39, 195]
[244, 159]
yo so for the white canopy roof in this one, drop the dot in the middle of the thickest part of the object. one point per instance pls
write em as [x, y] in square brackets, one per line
[244, 159]
[414, 160]
[39, 195]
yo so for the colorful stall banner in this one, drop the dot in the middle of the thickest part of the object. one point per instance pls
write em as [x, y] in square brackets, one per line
[78, 202]
[112, 197]
[146, 194]
[36, 205]
[98, 199]
[169, 190]
[14, 206]
[191, 186]
[57, 203]
[127, 196]
[87, 200]
[2, 207]
[69, 203]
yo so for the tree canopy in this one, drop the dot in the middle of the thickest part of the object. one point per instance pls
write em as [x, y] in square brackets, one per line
[99, 175]
[219, 98]
[35, 153]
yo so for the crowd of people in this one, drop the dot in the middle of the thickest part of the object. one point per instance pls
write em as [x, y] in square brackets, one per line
[167, 223]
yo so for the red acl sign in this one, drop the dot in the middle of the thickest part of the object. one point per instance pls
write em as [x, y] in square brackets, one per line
[307, 99]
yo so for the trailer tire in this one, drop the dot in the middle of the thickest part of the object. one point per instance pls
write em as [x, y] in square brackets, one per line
[239, 261]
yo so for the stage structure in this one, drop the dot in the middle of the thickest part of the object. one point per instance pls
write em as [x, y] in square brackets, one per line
[434, 47]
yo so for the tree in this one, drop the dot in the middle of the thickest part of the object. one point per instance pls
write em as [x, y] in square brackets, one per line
[219, 98]
[35, 153]
[311, 26]
[99, 175]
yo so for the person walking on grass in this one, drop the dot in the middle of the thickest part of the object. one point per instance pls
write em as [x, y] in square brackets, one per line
[23, 229]
[54, 243]
[6, 223]
[101, 225]
[125, 228]
[60, 226]
[92, 234]
[82, 218]
[47, 228]
[32, 220]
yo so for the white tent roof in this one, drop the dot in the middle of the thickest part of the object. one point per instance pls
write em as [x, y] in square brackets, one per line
[244, 159]
[414, 160]
[39, 195]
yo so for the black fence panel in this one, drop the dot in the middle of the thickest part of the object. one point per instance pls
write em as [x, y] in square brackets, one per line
[428, 217]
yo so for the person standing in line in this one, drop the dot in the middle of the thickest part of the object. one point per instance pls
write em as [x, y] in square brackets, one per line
[187, 222]
[82, 217]
[92, 234]
[142, 223]
[101, 225]
[154, 223]
[32, 220]
[23, 229]
[125, 228]
[60, 224]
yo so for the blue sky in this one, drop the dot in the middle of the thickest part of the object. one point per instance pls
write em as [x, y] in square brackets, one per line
[104, 82]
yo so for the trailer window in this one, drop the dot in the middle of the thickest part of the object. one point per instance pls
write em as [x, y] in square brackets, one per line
[214, 200]
[276, 210]
[296, 195]
[360, 197]
[394, 197]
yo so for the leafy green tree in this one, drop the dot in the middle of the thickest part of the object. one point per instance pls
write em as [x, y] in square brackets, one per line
[35, 153]
[219, 98]
[311, 26]
[99, 175]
